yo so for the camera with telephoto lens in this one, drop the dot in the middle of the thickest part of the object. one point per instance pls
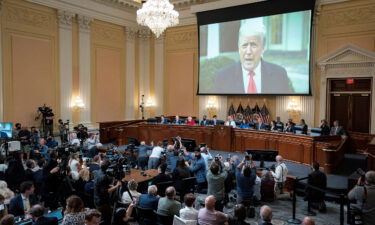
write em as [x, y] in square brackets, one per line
[119, 166]
[45, 110]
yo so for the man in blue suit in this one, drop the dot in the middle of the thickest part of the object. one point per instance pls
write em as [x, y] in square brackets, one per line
[37, 212]
[252, 74]
[260, 125]
[149, 200]
[199, 169]
[177, 120]
[23, 202]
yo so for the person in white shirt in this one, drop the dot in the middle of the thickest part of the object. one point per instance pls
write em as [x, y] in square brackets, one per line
[153, 161]
[74, 166]
[230, 122]
[189, 213]
[74, 140]
[132, 186]
[206, 155]
[280, 174]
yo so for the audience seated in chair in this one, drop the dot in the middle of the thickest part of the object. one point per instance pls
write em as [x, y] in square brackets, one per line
[308, 221]
[23, 202]
[317, 179]
[37, 215]
[161, 177]
[132, 186]
[266, 215]
[92, 217]
[167, 205]
[189, 212]
[149, 200]
[209, 216]
[239, 215]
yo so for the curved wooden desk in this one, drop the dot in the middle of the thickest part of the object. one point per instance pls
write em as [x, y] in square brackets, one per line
[295, 147]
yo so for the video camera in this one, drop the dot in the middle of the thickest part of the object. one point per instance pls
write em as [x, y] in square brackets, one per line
[119, 166]
[44, 110]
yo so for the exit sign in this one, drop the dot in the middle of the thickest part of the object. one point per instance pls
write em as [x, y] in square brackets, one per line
[350, 81]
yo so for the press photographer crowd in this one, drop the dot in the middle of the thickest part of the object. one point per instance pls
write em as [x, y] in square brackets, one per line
[80, 181]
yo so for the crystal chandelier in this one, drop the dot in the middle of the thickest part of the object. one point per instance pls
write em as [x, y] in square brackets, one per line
[157, 15]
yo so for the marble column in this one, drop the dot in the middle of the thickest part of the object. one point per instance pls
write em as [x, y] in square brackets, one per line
[66, 64]
[131, 33]
[144, 35]
[159, 75]
[84, 68]
[1, 70]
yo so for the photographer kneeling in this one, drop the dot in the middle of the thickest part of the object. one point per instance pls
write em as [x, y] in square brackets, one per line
[102, 190]
[364, 194]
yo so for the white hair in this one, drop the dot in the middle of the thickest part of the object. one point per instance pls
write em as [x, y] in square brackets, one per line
[252, 27]
[266, 213]
[152, 190]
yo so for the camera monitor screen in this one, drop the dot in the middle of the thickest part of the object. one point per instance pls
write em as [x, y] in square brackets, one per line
[6, 130]
[256, 55]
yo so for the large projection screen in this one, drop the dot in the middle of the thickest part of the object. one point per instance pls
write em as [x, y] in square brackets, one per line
[264, 55]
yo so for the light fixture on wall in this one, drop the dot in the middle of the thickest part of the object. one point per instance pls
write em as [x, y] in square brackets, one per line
[293, 106]
[77, 103]
[149, 102]
[158, 15]
[211, 106]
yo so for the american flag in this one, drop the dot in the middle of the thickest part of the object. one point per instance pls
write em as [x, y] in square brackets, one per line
[264, 114]
[248, 114]
[240, 109]
[231, 112]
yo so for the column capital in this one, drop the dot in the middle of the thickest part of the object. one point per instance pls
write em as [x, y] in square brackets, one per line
[144, 34]
[131, 32]
[161, 38]
[84, 23]
[65, 19]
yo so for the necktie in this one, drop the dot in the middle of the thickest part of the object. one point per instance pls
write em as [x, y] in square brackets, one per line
[251, 88]
[27, 204]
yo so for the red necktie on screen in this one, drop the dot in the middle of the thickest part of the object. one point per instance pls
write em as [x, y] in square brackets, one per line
[252, 88]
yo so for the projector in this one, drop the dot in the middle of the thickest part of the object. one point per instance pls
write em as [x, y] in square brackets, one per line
[14, 146]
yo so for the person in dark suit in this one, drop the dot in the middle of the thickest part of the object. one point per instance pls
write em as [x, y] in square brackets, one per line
[214, 121]
[162, 177]
[325, 128]
[337, 129]
[260, 125]
[149, 200]
[318, 179]
[279, 124]
[37, 212]
[177, 120]
[163, 120]
[304, 126]
[204, 121]
[23, 202]
[290, 126]
[273, 126]
[252, 75]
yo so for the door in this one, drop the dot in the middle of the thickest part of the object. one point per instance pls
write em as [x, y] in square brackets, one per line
[351, 104]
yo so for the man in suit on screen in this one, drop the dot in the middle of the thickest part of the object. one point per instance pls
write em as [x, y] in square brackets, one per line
[252, 75]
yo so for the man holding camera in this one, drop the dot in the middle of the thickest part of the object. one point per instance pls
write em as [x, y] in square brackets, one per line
[103, 186]
[216, 176]
[245, 177]
[364, 195]
[198, 168]
[48, 123]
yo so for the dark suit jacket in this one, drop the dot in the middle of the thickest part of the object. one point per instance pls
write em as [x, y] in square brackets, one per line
[317, 179]
[274, 80]
[261, 127]
[339, 131]
[46, 221]
[204, 122]
[16, 205]
[325, 130]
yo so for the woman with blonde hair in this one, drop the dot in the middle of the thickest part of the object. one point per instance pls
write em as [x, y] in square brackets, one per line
[132, 186]
[6, 192]
[74, 165]
[74, 213]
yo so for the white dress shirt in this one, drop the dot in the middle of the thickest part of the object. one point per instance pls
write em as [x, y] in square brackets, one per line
[257, 78]
[189, 213]
[232, 123]
[280, 173]
[156, 152]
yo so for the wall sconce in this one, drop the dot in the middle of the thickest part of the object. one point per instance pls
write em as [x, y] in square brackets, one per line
[293, 106]
[77, 103]
[211, 103]
[149, 102]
